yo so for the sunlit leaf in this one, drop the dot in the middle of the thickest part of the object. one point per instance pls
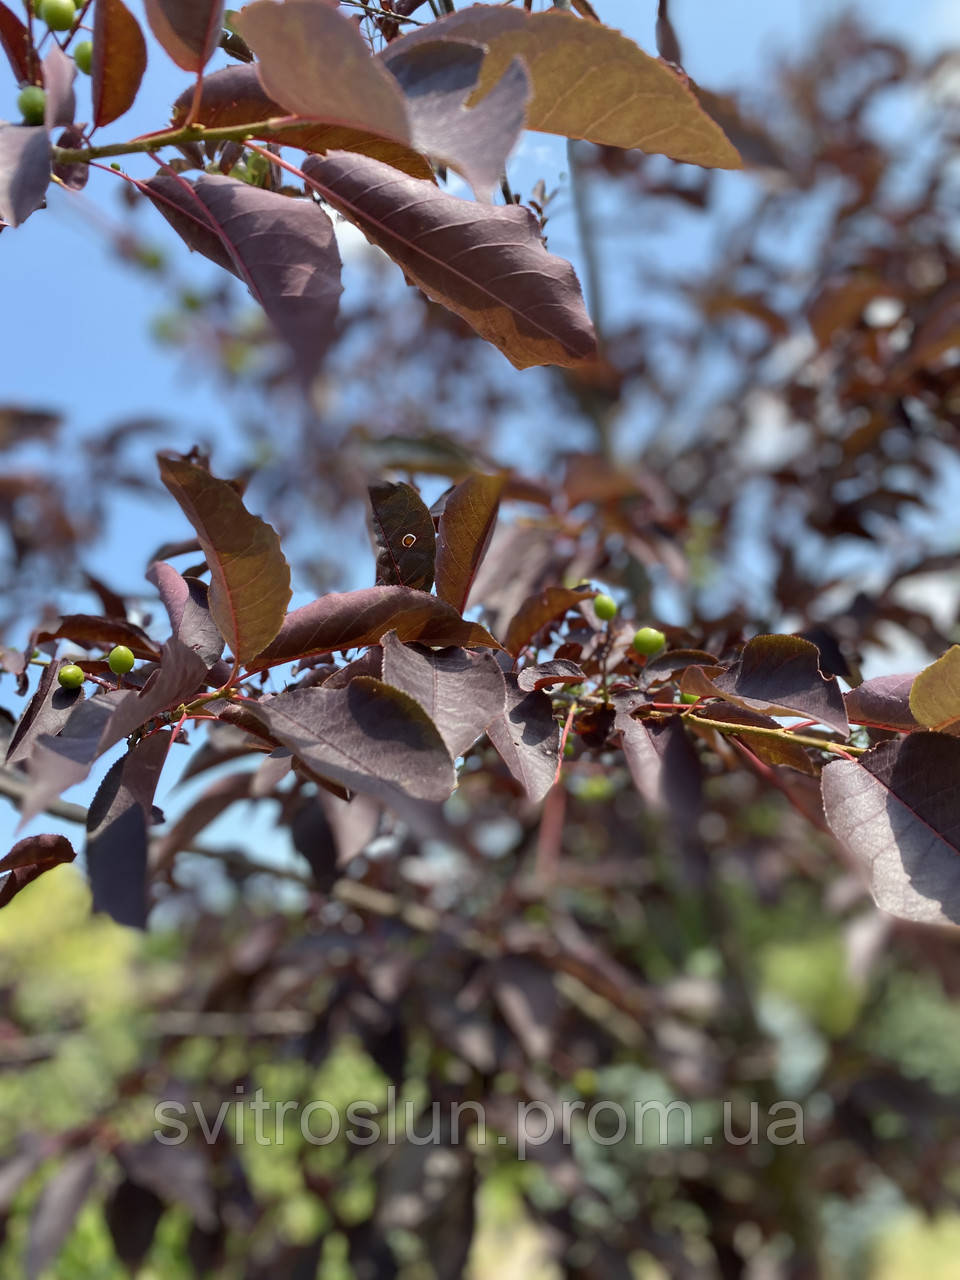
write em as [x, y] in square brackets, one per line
[463, 535]
[30, 858]
[935, 692]
[188, 29]
[24, 171]
[119, 60]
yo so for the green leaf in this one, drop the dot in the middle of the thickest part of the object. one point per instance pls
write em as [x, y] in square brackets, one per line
[250, 579]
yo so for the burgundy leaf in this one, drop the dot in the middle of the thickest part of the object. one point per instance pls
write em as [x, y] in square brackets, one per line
[117, 823]
[773, 751]
[188, 29]
[114, 605]
[666, 665]
[60, 1201]
[314, 837]
[24, 171]
[437, 77]
[46, 712]
[15, 41]
[283, 249]
[884, 701]
[188, 608]
[30, 858]
[544, 675]
[463, 535]
[780, 675]
[527, 738]
[665, 768]
[405, 536]
[119, 60]
[315, 62]
[354, 823]
[355, 619]
[370, 737]
[895, 809]
[59, 73]
[236, 96]
[250, 578]
[488, 265]
[538, 610]
[104, 633]
[461, 692]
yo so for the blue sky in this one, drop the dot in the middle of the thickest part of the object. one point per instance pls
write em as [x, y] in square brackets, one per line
[75, 324]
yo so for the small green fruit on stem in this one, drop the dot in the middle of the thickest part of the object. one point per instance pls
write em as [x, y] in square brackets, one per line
[59, 15]
[83, 56]
[70, 676]
[605, 607]
[120, 660]
[648, 640]
[31, 102]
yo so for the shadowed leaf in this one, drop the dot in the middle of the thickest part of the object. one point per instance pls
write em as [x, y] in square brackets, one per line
[895, 809]
[369, 737]
[664, 767]
[46, 712]
[526, 301]
[590, 82]
[355, 619]
[463, 536]
[284, 250]
[527, 739]
[772, 751]
[538, 610]
[188, 29]
[59, 73]
[31, 858]
[117, 824]
[461, 692]
[668, 664]
[437, 78]
[250, 578]
[546, 674]
[24, 171]
[315, 62]
[935, 693]
[780, 675]
[236, 96]
[119, 60]
[188, 608]
[883, 701]
[132, 1215]
[92, 633]
[15, 41]
[405, 536]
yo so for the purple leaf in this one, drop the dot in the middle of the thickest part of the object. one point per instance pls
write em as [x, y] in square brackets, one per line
[370, 737]
[30, 858]
[895, 809]
[119, 60]
[73, 176]
[132, 1215]
[236, 96]
[466, 526]
[355, 619]
[665, 768]
[544, 675]
[46, 712]
[15, 41]
[538, 610]
[283, 249]
[772, 750]
[780, 675]
[316, 63]
[884, 701]
[488, 265]
[437, 77]
[60, 1201]
[314, 837]
[188, 608]
[117, 822]
[461, 692]
[59, 73]
[24, 171]
[527, 739]
[666, 665]
[187, 29]
[100, 633]
[405, 536]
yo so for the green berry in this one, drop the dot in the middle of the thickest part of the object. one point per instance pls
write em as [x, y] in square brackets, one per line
[605, 607]
[59, 15]
[83, 56]
[70, 676]
[689, 698]
[648, 640]
[31, 103]
[120, 660]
